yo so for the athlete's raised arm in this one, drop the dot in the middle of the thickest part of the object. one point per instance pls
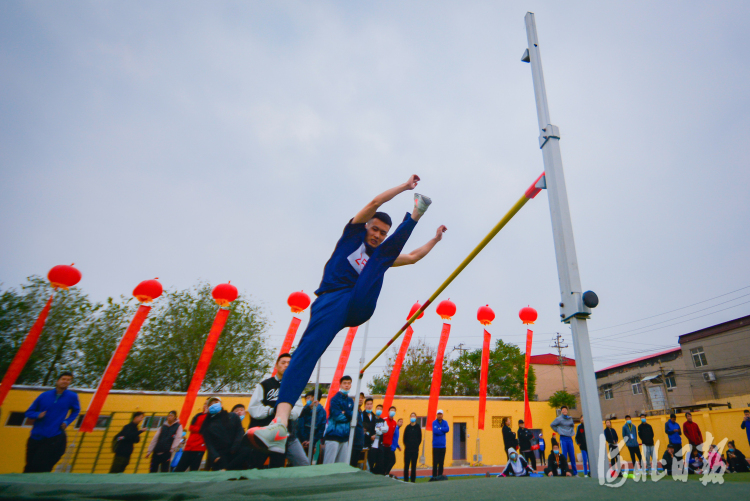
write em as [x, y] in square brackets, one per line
[417, 254]
[370, 209]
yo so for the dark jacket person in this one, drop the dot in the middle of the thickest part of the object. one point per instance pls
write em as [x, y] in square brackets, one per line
[124, 441]
[222, 433]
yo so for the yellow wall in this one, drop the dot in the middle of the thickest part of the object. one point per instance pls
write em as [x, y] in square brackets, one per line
[721, 423]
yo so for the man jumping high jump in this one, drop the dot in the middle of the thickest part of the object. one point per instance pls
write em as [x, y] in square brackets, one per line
[348, 293]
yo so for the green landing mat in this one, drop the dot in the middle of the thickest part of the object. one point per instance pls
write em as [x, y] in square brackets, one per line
[339, 482]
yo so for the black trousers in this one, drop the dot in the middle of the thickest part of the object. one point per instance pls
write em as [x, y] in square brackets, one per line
[356, 455]
[530, 458]
[119, 463]
[191, 460]
[389, 459]
[549, 470]
[635, 452]
[613, 453]
[438, 461]
[160, 461]
[542, 459]
[410, 461]
[43, 454]
[376, 459]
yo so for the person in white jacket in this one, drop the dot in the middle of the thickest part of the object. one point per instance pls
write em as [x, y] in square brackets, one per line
[165, 442]
[376, 449]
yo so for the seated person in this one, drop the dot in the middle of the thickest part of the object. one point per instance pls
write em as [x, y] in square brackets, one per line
[695, 465]
[736, 459]
[517, 465]
[557, 465]
[714, 459]
[668, 458]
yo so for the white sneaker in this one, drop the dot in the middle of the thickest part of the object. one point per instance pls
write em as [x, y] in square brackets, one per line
[271, 438]
[421, 203]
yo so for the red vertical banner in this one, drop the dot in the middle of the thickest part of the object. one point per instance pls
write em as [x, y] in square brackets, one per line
[527, 409]
[343, 360]
[203, 362]
[289, 338]
[24, 352]
[483, 379]
[113, 369]
[437, 376]
[390, 392]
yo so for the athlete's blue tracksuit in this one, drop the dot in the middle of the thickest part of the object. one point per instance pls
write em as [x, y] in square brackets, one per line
[346, 298]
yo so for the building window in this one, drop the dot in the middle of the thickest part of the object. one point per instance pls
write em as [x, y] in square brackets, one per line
[102, 422]
[699, 358]
[497, 421]
[608, 395]
[422, 420]
[18, 419]
[636, 386]
[153, 422]
[669, 380]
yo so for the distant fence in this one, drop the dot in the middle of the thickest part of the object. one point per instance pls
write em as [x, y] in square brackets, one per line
[92, 452]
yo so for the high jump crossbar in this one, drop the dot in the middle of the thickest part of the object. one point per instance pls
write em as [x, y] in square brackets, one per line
[530, 193]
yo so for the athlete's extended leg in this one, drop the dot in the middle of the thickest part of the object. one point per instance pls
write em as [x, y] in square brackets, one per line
[365, 293]
[327, 317]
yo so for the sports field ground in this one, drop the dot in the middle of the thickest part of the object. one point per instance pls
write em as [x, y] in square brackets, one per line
[340, 482]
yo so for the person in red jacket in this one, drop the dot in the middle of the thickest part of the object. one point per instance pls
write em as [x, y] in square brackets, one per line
[389, 456]
[192, 454]
[693, 433]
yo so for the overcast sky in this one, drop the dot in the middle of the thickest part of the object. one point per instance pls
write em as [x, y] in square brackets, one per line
[233, 140]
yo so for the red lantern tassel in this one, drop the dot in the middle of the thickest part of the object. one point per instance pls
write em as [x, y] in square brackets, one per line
[203, 362]
[113, 369]
[343, 360]
[483, 379]
[437, 376]
[527, 409]
[393, 382]
[24, 352]
[289, 339]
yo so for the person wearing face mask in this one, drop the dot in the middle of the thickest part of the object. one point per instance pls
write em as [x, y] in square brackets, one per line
[557, 466]
[359, 435]
[525, 436]
[516, 466]
[736, 462]
[389, 457]
[239, 409]
[166, 441]
[376, 457]
[222, 433]
[195, 448]
[439, 429]
[646, 432]
[339, 419]
[542, 448]
[630, 434]
[304, 423]
[412, 441]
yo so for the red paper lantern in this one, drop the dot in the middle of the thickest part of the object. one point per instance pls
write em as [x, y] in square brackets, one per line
[148, 290]
[528, 315]
[63, 276]
[446, 309]
[414, 310]
[298, 301]
[485, 315]
[224, 294]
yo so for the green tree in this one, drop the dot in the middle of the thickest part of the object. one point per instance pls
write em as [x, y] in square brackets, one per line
[416, 372]
[166, 353]
[560, 398]
[55, 351]
[504, 375]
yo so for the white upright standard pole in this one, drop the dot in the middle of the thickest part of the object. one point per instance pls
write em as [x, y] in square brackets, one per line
[353, 425]
[572, 308]
[311, 446]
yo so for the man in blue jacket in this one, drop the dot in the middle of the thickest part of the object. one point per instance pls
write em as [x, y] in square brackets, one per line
[745, 425]
[52, 411]
[337, 431]
[673, 431]
[439, 429]
[630, 434]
